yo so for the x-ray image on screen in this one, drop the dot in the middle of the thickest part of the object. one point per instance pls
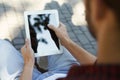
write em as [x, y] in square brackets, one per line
[42, 38]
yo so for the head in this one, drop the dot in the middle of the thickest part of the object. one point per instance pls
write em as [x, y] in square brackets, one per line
[102, 14]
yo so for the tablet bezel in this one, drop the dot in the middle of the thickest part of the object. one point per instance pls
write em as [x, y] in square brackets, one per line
[26, 13]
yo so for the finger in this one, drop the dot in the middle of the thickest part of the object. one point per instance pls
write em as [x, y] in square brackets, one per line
[52, 27]
[23, 48]
[27, 43]
[61, 25]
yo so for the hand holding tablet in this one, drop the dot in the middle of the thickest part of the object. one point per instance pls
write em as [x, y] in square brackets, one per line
[43, 40]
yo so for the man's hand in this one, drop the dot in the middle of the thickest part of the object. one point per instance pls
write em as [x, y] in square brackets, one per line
[79, 53]
[28, 54]
[61, 32]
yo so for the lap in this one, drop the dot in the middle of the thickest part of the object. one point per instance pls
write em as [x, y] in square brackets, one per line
[59, 64]
[61, 61]
[11, 62]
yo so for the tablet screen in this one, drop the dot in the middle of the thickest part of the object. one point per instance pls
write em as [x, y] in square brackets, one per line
[43, 40]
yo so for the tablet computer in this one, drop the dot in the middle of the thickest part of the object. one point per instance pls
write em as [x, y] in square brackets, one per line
[43, 40]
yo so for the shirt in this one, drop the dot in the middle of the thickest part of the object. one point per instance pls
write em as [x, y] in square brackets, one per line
[94, 72]
[55, 76]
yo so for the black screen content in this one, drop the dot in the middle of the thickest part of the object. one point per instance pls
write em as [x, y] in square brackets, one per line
[37, 25]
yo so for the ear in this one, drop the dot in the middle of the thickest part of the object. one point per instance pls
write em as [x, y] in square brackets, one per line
[100, 10]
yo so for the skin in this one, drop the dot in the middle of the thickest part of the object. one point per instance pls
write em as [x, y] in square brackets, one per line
[106, 30]
[79, 53]
[28, 57]
[103, 26]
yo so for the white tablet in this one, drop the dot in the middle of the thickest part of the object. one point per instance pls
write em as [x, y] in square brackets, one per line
[43, 40]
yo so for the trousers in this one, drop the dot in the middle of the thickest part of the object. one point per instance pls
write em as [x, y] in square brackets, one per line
[12, 63]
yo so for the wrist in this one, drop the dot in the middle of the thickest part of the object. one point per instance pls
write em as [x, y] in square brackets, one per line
[28, 68]
[66, 42]
[29, 62]
[29, 65]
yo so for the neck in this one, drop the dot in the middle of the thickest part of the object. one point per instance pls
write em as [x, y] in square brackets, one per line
[109, 46]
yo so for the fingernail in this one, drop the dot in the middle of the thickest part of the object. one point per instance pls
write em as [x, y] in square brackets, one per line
[26, 40]
[49, 25]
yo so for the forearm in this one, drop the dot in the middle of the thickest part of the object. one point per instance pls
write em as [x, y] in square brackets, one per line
[27, 73]
[79, 53]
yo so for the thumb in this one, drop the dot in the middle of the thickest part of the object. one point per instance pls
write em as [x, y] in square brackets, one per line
[52, 27]
[27, 43]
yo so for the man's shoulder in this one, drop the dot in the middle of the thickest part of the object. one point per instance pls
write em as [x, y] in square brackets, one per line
[94, 69]
[88, 72]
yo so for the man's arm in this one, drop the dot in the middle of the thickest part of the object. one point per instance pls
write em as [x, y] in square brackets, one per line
[79, 53]
[27, 73]
[28, 57]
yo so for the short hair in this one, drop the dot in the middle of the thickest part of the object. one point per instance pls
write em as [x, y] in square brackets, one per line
[114, 5]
